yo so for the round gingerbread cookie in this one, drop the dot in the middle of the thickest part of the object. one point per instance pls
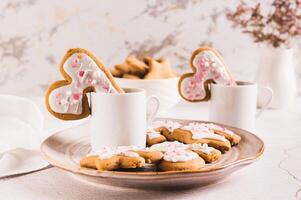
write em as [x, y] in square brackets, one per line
[179, 160]
[208, 67]
[83, 73]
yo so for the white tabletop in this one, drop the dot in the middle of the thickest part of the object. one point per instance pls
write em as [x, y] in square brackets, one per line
[277, 175]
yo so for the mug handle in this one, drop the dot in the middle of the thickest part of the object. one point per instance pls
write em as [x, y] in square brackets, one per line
[151, 113]
[269, 100]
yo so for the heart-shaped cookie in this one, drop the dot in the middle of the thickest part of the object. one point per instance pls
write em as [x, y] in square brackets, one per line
[83, 73]
[208, 67]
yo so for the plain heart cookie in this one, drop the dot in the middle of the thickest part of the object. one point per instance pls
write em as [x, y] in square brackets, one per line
[83, 73]
[208, 67]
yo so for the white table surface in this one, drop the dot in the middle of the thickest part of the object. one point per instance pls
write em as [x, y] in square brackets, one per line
[277, 175]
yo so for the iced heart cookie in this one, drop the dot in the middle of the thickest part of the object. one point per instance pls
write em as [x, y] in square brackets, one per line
[195, 133]
[83, 73]
[209, 154]
[154, 137]
[179, 160]
[228, 134]
[166, 127]
[150, 155]
[208, 67]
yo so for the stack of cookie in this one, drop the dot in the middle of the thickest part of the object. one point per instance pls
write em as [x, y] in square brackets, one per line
[148, 68]
[173, 147]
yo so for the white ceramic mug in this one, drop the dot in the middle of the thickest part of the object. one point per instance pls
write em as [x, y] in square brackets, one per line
[120, 119]
[236, 105]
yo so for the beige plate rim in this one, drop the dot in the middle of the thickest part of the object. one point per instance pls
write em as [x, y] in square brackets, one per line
[156, 174]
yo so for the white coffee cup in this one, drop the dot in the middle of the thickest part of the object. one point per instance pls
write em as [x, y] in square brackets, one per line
[120, 119]
[236, 105]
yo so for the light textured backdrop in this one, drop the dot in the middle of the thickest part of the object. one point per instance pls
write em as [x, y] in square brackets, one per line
[36, 33]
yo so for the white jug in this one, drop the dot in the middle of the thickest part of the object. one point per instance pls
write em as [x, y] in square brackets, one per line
[276, 70]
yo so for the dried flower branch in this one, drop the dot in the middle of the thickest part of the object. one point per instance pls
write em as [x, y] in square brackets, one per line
[277, 28]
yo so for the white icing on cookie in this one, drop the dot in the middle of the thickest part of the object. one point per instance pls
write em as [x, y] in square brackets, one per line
[168, 146]
[170, 125]
[219, 128]
[203, 135]
[84, 73]
[208, 66]
[120, 149]
[138, 148]
[129, 154]
[105, 153]
[195, 126]
[201, 147]
[145, 149]
[179, 155]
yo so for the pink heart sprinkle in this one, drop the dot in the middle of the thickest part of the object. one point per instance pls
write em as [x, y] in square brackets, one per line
[58, 95]
[201, 64]
[89, 81]
[75, 62]
[217, 76]
[81, 73]
[76, 96]
[77, 84]
[204, 73]
[198, 77]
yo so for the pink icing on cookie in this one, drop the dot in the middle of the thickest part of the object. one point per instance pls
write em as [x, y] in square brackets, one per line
[208, 66]
[84, 73]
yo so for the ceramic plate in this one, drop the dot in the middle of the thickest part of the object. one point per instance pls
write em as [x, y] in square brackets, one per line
[64, 150]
